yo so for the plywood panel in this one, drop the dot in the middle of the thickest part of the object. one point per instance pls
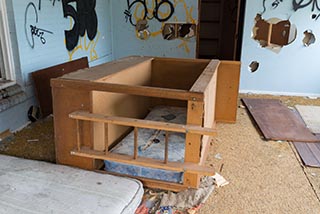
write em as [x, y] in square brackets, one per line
[64, 103]
[277, 122]
[227, 91]
[121, 104]
[42, 78]
[176, 73]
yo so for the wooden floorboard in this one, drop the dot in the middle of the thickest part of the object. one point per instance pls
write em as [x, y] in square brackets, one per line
[309, 152]
[277, 122]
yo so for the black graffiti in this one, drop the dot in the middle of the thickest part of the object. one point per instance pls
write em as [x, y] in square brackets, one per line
[302, 4]
[276, 3]
[34, 31]
[38, 32]
[84, 18]
[53, 3]
[156, 10]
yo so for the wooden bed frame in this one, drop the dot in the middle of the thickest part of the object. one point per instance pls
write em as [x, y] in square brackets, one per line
[95, 108]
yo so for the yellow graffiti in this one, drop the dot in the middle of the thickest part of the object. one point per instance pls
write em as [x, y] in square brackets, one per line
[189, 17]
[139, 14]
[86, 45]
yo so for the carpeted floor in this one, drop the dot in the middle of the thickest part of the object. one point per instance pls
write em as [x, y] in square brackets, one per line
[264, 176]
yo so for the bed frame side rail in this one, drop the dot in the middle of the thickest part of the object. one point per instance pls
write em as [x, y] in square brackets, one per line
[80, 116]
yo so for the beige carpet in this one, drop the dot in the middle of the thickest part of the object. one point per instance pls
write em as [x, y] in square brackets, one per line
[265, 176]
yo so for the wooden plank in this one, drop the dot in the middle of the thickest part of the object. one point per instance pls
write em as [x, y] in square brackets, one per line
[41, 79]
[227, 91]
[277, 122]
[150, 183]
[209, 114]
[309, 153]
[127, 89]
[66, 101]
[203, 81]
[106, 69]
[149, 124]
[193, 142]
[145, 162]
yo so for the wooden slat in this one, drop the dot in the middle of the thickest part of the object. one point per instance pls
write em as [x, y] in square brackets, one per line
[124, 121]
[176, 94]
[106, 137]
[135, 153]
[277, 122]
[203, 81]
[78, 122]
[166, 150]
[145, 162]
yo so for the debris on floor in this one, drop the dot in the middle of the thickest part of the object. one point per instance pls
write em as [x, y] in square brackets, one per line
[6, 136]
[35, 142]
[219, 180]
[185, 202]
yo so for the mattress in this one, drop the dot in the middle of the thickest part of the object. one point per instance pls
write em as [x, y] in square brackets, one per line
[28, 186]
[151, 144]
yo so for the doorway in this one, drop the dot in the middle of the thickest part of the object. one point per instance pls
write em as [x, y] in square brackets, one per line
[221, 27]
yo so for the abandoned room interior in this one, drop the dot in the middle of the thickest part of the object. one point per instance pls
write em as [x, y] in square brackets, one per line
[159, 106]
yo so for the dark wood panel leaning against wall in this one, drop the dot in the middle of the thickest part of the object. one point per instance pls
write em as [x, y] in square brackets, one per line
[220, 30]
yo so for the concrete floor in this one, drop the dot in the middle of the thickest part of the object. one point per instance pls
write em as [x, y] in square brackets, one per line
[264, 176]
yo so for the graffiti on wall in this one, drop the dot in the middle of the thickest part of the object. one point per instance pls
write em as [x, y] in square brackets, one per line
[85, 21]
[140, 12]
[31, 29]
[53, 3]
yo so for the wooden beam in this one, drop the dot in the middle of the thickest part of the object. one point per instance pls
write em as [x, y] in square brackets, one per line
[205, 78]
[149, 124]
[147, 91]
[145, 162]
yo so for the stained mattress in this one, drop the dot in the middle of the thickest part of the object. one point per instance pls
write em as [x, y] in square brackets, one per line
[28, 186]
[151, 144]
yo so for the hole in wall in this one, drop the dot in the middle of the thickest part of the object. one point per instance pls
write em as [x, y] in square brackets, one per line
[142, 29]
[254, 66]
[309, 38]
[273, 33]
[171, 31]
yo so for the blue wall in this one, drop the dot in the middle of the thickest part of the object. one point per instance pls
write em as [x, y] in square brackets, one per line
[295, 70]
[126, 41]
[36, 53]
